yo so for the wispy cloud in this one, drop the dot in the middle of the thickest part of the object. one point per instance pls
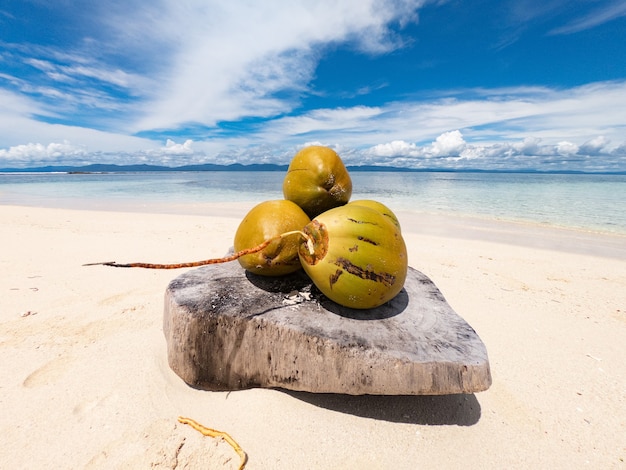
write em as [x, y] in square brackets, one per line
[579, 113]
[578, 128]
[22, 117]
[218, 74]
[519, 15]
[230, 78]
[201, 61]
[66, 85]
[523, 15]
[599, 15]
[74, 73]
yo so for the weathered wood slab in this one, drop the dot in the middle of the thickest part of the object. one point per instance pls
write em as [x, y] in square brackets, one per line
[227, 329]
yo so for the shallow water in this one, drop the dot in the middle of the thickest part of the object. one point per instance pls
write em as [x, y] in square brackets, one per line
[588, 202]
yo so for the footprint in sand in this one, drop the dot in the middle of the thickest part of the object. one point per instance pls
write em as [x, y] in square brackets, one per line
[114, 299]
[163, 443]
[84, 408]
[48, 373]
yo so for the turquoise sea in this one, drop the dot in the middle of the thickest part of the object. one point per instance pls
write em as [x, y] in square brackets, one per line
[581, 201]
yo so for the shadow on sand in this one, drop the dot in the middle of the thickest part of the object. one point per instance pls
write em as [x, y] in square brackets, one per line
[436, 410]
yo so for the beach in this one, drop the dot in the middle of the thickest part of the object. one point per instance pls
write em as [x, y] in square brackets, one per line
[86, 384]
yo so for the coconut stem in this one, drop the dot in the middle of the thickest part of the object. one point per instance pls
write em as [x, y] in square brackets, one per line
[194, 264]
[309, 241]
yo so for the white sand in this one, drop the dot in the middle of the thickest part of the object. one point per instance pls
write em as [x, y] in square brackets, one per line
[84, 380]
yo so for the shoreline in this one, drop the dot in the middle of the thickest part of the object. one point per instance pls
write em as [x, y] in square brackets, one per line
[589, 205]
[86, 381]
[512, 232]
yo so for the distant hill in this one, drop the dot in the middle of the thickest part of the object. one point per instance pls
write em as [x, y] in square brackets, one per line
[106, 168]
[110, 168]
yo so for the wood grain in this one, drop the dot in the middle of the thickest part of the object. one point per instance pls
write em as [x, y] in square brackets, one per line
[227, 329]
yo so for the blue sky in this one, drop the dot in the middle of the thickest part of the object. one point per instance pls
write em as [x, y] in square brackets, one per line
[507, 84]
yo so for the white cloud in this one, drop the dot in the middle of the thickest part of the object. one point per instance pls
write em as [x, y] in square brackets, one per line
[42, 153]
[197, 61]
[577, 114]
[14, 104]
[172, 148]
[336, 120]
[216, 73]
[448, 144]
[199, 68]
[595, 146]
[566, 148]
[451, 151]
[395, 149]
[529, 146]
[21, 120]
